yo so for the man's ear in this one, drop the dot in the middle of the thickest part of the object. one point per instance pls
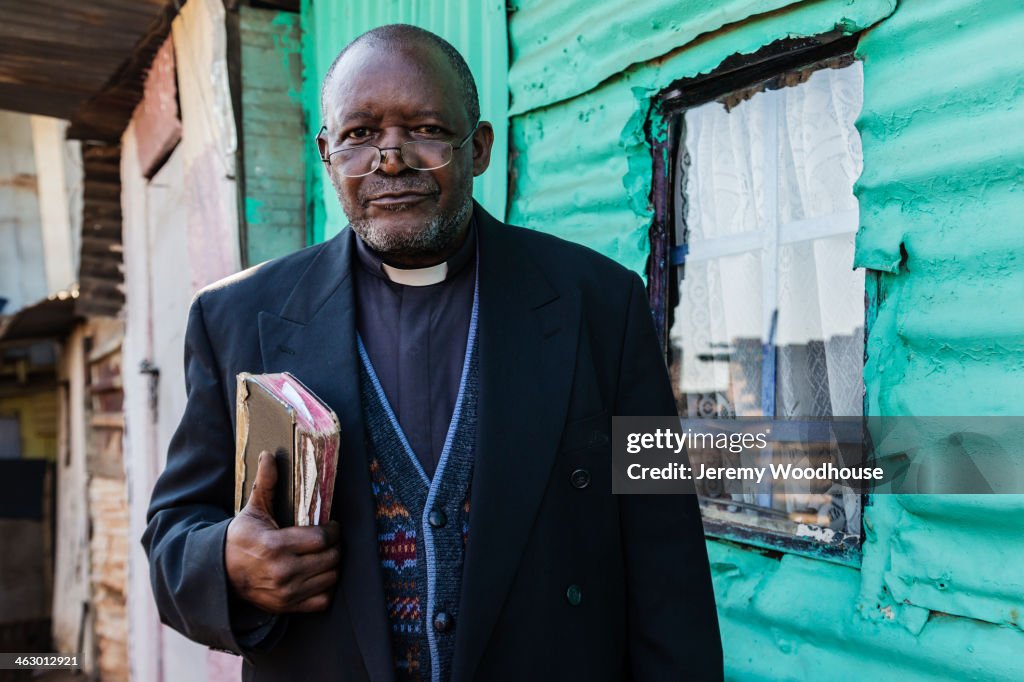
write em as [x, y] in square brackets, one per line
[321, 143]
[483, 139]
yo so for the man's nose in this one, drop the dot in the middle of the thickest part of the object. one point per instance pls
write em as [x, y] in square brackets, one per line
[391, 161]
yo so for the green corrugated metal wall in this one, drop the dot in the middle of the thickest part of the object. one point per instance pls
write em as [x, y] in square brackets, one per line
[477, 29]
[272, 132]
[939, 594]
[582, 167]
[943, 162]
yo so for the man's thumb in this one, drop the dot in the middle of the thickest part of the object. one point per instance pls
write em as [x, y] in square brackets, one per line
[262, 496]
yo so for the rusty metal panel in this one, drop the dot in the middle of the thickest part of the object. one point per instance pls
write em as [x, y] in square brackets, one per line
[157, 123]
[476, 29]
[56, 54]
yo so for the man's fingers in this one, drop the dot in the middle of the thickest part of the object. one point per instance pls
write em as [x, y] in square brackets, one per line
[332, 532]
[294, 571]
[308, 539]
[317, 562]
[308, 594]
[262, 496]
[321, 582]
[317, 602]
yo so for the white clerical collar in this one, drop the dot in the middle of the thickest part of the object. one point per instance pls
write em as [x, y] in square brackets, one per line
[416, 277]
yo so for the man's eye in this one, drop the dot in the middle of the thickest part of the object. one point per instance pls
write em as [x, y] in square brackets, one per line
[358, 134]
[429, 131]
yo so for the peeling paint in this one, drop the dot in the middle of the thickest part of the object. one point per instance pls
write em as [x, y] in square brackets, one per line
[562, 49]
[821, 534]
[567, 181]
[940, 205]
[799, 619]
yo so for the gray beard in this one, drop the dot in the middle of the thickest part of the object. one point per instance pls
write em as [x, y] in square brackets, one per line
[437, 236]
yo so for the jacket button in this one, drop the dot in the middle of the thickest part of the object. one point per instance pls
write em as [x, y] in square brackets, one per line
[443, 622]
[580, 478]
[437, 518]
[574, 594]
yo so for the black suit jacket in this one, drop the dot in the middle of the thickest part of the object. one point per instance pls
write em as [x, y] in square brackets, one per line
[566, 341]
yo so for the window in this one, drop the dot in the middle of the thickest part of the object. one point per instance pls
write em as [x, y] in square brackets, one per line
[761, 311]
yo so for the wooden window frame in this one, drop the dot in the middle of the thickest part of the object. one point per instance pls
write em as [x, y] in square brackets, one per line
[737, 73]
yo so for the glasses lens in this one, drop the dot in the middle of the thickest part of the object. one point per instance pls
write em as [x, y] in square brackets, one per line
[356, 161]
[426, 155]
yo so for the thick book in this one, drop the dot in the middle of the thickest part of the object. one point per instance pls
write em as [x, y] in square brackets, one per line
[277, 413]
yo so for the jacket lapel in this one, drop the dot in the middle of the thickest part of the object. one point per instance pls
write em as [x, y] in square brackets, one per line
[314, 339]
[528, 337]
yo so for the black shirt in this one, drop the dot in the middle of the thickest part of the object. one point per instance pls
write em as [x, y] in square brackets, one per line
[416, 338]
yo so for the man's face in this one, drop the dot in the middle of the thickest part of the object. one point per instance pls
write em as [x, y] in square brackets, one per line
[386, 96]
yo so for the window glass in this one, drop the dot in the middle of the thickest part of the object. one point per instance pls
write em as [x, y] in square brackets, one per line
[769, 319]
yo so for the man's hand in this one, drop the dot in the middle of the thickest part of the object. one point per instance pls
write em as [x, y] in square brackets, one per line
[280, 570]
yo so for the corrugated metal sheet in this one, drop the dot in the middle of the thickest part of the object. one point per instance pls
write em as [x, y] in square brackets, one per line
[581, 168]
[936, 596]
[55, 54]
[563, 49]
[80, 61]
[157, 120]
[52, 317]
[476, 29]
[943, 159]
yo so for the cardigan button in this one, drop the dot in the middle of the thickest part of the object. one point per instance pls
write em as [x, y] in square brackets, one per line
[437, 518]
[574, 594]
[580, 479]
[443, 622]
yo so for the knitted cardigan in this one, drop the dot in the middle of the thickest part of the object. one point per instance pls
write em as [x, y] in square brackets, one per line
[422, 524]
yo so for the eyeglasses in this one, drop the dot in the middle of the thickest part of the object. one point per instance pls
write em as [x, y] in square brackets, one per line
[422, 155]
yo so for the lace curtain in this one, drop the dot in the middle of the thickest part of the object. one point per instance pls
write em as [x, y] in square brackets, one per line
[770, 319]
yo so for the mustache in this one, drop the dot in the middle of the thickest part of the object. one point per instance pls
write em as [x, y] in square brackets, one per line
[419, 183]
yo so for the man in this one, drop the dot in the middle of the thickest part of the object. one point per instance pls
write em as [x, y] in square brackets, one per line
[474, 368]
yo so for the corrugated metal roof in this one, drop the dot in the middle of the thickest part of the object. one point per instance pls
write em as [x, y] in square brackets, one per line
[82, 61]
[51, 318]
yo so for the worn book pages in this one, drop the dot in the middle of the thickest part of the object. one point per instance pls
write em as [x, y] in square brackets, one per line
[277, 413]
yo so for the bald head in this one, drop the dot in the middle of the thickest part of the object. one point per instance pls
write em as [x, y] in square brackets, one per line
[395, 37]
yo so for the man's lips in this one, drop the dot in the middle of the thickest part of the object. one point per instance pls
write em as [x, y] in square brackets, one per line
[392, 199]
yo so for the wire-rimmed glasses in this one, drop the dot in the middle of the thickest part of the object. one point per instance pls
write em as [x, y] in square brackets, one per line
[423, 155]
